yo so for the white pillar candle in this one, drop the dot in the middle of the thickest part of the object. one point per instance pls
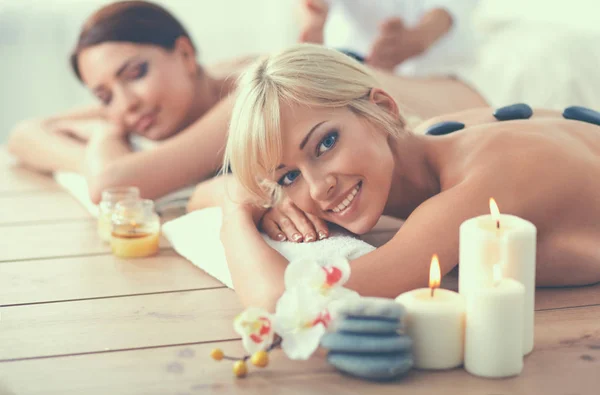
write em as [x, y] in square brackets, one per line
[483, 244]
[494, 329]
[435, 321]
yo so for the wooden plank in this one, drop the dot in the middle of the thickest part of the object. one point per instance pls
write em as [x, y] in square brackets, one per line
[566, 361]
[24, 242]
[40, 207]
[554, 298]
[64, 279]
[117, 323]
[17, 179]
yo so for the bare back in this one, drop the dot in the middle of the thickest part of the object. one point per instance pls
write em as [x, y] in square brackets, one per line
[545, 169]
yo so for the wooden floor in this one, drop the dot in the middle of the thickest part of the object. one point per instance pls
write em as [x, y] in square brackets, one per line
[76, 320]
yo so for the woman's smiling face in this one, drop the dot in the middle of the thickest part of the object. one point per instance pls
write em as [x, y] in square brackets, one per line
[335, 165]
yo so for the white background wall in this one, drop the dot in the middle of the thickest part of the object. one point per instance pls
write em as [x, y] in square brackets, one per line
[36, 37]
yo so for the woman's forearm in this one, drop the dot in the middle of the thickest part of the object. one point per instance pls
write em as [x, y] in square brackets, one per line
[42, 148]
[433, 26]
[186, 158]
[104, 150]
[256, 269]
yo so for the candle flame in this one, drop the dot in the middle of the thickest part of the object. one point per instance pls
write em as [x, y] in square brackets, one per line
[434, 273]
[495, 212]
[497, 273]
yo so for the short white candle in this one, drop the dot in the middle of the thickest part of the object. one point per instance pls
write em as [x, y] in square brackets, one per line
[494, 329]
[489, 239]
[435, 321]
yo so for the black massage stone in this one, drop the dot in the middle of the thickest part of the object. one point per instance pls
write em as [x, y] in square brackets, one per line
[442, 128]
[583, 114]
[512, 112]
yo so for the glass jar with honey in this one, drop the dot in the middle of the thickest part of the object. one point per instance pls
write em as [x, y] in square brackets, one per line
[110, 198]
[135, 229]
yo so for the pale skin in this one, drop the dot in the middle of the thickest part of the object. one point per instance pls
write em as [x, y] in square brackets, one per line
[542, 169]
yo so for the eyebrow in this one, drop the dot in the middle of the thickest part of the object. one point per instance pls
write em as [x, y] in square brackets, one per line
[119, 71]
[304, 141]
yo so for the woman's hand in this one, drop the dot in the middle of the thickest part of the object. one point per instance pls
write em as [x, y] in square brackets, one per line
[287, 222]
[395, 44]
[313, 15]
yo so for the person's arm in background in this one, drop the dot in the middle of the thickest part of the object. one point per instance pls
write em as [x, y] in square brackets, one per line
[313, 16]
[188, 157]
[397, 43]
[58, 142]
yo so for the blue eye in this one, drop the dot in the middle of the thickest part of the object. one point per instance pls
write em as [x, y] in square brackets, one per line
[289, 177]
[327, 143]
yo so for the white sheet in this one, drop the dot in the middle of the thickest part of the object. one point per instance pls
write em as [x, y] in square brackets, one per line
[538, 52]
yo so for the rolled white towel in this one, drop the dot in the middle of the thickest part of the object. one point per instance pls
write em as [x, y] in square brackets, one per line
[196, 236]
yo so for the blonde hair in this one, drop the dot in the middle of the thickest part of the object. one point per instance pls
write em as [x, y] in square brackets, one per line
[304, 74]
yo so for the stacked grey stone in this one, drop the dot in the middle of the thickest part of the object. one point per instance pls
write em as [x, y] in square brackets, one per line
[367, 341]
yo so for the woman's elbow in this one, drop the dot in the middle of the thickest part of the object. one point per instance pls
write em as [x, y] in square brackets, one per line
[18, 139]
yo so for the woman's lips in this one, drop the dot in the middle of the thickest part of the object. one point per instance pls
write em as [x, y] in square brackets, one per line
[352, 206]
[145, 122]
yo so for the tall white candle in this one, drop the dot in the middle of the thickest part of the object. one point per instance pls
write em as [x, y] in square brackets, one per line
[435, 321]
[488, 239]
[494, 329]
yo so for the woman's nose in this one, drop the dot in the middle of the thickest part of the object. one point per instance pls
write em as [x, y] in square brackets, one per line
[131, 101]
[321, 188]
[128, 102]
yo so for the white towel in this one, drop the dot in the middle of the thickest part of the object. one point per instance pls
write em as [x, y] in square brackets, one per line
[77, 186]
[196, 236]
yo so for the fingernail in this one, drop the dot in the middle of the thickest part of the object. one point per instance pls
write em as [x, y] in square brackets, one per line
[322, 235]
[281, 237]
[309, 237]
[297, 237]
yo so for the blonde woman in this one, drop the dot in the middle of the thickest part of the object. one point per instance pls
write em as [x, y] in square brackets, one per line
[316, 128]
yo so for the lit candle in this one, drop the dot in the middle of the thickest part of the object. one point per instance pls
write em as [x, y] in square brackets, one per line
[490, 239]
[435, 320]
[494, 330]
[135, 229]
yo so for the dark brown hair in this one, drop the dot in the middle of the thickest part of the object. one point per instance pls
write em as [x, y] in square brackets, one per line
[138, 22]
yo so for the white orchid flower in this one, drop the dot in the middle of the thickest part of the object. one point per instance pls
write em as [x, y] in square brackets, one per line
[256, 328]
[301, 319]
[322, 276]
